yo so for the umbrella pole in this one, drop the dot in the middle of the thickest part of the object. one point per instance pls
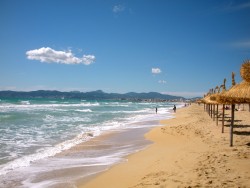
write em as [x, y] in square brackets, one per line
[210, 110]
[217, 114]
[223, 117]
[213, 112]
[231, 126]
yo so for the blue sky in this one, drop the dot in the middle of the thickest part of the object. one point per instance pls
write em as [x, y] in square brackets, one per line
[179, 47]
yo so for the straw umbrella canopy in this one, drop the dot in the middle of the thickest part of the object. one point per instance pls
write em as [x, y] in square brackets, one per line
[207, 99]
[239, 93]
[209, 103]
[204, 101]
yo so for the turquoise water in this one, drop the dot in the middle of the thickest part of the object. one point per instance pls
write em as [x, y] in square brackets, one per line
[33, 130]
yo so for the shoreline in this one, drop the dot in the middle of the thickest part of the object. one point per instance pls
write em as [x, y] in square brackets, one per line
[189, 150]
[86, 160]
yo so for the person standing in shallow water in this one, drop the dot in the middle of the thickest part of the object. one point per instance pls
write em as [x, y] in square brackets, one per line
[174, 108]
[156, 110]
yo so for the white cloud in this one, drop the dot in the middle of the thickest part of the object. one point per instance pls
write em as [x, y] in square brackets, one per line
[118, 8]
[156, 70]
[162, 81]
[88, 59]
[50, 55]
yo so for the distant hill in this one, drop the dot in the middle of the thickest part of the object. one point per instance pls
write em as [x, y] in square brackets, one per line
[99, 94]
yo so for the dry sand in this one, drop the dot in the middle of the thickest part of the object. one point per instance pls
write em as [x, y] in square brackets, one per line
[189, 151]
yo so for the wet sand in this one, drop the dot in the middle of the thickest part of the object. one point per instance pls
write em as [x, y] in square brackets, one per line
[189, 151]
[83, 161]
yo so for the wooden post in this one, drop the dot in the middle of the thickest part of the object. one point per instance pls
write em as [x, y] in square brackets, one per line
[231, 126]
[217, 114]
[211, 106]
[223, 118]
[208, 109]
[213, 112]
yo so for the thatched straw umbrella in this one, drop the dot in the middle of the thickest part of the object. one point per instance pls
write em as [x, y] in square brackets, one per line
[223, 106]
[214, 102]
[239, 93]
[215, 97]
[204, 100]
[209, 102]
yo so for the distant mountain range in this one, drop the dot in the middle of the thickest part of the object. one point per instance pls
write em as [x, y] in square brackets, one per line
[99, 94]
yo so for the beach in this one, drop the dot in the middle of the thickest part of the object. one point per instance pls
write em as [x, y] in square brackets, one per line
[189, 150]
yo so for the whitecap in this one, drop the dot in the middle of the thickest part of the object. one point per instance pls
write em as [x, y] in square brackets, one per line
[25, 102]
[84, 110]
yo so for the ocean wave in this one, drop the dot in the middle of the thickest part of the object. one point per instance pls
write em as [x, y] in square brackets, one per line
[25, 102]
[12, 107]
[117, 104]
[45, 153]
[84, 110]
[51, 118]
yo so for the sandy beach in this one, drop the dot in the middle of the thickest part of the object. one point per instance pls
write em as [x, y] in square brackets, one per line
[187, 151]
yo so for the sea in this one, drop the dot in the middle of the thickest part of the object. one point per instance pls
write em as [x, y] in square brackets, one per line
[61, 142]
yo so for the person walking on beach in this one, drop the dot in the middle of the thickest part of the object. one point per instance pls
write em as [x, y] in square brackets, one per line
[174, 108]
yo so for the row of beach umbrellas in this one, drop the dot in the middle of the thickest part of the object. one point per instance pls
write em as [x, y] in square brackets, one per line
[237, 94]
